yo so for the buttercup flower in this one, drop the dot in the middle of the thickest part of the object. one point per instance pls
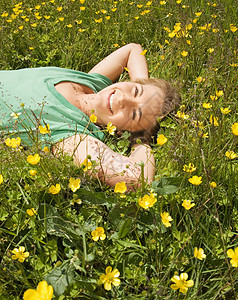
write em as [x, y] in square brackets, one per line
[44, 129]
[120, 187]
[32, 172]
[15, 115]
[42, 292]
[213, 184]
[225, 110]
[14, 142]
[33, 159]
[219, 93]
[1, 178]
[231, 154]
[143, 52]
[93, 118]
[54, 189]
[233, 254]
[187, 204]
[20, 254]
[189, 168]
[87, 165]
[184, 53]
[214, 120]
[195, 180]
[200, 79]
[98, 233]
[182, 115]
[166, 219]
[110, 128]
[111, 277]
[74, 183]
[161, 140]
[46, 150]
[181, 283]
[207, 105]
[31, 212]
[199, 253]
[147, 201]
[234, 128]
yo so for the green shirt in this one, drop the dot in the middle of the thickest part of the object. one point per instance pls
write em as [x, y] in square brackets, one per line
[44, 105]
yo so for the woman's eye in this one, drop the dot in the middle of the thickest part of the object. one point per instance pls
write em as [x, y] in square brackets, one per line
[136, 91]
[134, 115]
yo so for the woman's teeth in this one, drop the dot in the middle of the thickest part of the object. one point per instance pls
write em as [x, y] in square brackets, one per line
[111, 101]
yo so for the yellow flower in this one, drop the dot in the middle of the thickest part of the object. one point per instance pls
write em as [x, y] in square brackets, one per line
[44, 129]
[213, 97]
[233, 28]
[33, 159]
[187, 204]
[225, 110]
[207, 105]
[184, 53]
[213, 184]
[111, 277]
[143, 52]
[20, 254]
[166, 219]
[13, 143]
[234, 257]
[200, 79]
[214, 120]
[189, 168]
[31, 212]
[61, 19]
[15, 115]
[147, 201]
[161, 140]
[93, 118]
[54, 189]
[59, 8]
[195, 180]
[199, 253]
[46, 150]
[234, 128]
[120, 187]
[182, 115]
[1, 179]
[231, 154]
[69, 25]
[32, 172]
[219, 93]
[181, 283]
[210, 50]
[74, 184]
[86, 164]
[162, 2]
[98, 233]
[82, 7]
[43, 292]
[110, 128]
[198, 14]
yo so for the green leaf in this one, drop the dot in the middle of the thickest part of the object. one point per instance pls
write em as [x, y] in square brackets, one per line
[61, 277]
[125, 228]
[94, 197]
[167, 185]
[55, 225]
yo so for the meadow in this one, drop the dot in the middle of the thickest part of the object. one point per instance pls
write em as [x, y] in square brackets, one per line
[59, 225]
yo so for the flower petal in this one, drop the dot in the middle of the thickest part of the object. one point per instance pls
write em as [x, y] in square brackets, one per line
[108, 269]
[230, 253]
[116, 282]
[30, 295]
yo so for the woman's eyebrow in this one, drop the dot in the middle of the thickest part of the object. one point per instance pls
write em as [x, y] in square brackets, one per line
[140, 114]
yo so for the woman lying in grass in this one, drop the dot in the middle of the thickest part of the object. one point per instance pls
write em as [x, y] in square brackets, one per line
[60, 102]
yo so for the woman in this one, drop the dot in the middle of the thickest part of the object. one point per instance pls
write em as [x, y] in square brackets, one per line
[61, 101]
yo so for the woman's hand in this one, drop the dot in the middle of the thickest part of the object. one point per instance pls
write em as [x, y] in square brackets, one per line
[128, 56]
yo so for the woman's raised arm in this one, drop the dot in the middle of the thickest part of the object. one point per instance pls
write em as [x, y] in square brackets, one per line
[111, 167]
[128, 56]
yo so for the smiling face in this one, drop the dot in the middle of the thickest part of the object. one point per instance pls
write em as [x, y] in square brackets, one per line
[129, 106]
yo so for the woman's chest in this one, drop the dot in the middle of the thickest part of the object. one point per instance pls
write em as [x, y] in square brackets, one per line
[72, 91]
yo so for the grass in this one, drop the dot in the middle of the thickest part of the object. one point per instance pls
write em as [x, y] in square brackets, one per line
[147, 254]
